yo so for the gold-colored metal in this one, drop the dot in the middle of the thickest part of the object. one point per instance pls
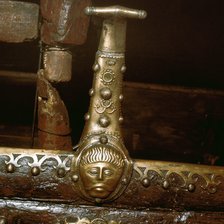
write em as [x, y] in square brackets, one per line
[191, 176]
[103, 166]
[94, 221]
[15, 158]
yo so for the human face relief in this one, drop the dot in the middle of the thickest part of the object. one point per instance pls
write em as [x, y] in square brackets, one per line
[100, 179]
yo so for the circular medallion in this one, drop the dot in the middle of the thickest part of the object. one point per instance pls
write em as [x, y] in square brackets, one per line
[108, 77]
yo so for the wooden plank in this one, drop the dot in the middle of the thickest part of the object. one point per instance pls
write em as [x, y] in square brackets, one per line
[66, 24]
[27, 212]
[36, 175]
[173, 123]
[18, 21]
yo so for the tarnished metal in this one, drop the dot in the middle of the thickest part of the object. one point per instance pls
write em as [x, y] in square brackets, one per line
[103, 166]
[66, 23]
[153, 183]
[18, 21]
[53, 120]
[57, 64]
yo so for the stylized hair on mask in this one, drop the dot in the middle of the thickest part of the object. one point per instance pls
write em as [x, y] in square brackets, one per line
[102, 154]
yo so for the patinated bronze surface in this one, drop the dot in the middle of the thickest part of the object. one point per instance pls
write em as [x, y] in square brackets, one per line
[50, 176]
[103, 165]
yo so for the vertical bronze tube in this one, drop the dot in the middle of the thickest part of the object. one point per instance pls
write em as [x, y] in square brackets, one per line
[103, 162]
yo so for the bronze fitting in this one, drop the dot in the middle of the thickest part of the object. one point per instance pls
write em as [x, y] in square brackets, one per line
[101, 143]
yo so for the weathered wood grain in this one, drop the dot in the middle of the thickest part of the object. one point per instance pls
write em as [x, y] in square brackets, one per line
[173, 123]
[169, 185]
[27, 212]
[66, 24]
[18, 21]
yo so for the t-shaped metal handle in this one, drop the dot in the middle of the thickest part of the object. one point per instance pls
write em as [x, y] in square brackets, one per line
[102, 142]
[113, 36]
[116, 11]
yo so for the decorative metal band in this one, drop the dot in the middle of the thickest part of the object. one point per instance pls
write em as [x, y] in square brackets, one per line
[37, 161]
[181, 176]
[103, 54]
[94, 221]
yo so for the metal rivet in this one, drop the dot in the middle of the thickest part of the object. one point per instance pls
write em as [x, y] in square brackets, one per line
[87, 117]
[96, 67]
[75, 178]
[98, 200]
[10, 168]
[123, 69]
[124, 181]
[103, 139]
[35, 171]
[146, 182]
[212, 189]
[191, 187]
[104, 121]
[121, 97]
[166, 184]
[91, 92]
[121, 119]
[106, 93]
[39, 98]
[108, 76]
[61, 172]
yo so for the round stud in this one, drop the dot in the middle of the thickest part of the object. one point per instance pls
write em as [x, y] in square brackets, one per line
[98, 200]
[91, 92]
[124, 181]
[121, 97]
[75, 178]
[146, 182]
[104, 121]
[212, 190]
[106, 93]
[121, 119]
[10, 168]
[123, 69]
[61, 172]
[166, 184]
[103, 139]
[96, 67]
[191, 187]
[87, 117]
[39, 98]
[108, 77]
[35, 171]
